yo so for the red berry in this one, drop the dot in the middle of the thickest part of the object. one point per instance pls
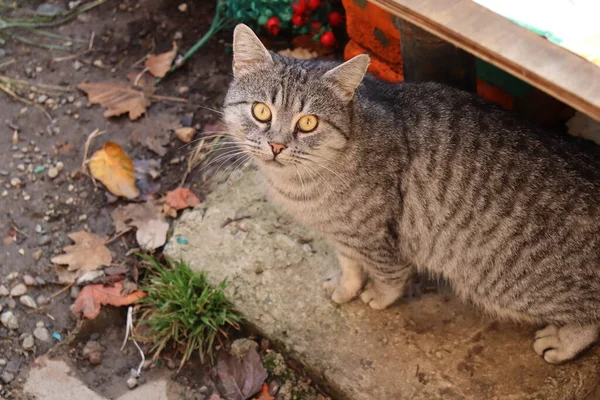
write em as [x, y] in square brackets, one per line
[299, 7]
[315, 27]
[328, 39]
[273, 25]
[335, 18]
[314, 4]
[297, 20]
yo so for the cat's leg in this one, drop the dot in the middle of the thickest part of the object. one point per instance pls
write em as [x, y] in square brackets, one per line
[348, 283]
[559, 344]
[387, 284]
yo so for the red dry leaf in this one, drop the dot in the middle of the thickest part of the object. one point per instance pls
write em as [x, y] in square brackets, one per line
[92, 297]
[181, 198]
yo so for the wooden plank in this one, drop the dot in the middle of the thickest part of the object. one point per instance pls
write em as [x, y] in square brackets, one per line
[495, 39]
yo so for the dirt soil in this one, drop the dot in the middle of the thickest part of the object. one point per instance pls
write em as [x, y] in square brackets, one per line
[38, 211]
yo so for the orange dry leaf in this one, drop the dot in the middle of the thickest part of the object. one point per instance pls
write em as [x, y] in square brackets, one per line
[114, 169]
[181, 198]
[92, 297]
[264, 393]
[160, 64]
[117, 98]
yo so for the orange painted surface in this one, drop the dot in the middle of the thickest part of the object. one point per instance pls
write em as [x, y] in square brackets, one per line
[373, 29]
[378, 67]
[495, 94]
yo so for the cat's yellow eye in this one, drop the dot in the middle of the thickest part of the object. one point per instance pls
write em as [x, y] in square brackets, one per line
[261, 112]
[307, 123]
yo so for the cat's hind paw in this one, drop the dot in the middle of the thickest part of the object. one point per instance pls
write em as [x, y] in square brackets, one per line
[558, 345]
[379, 295]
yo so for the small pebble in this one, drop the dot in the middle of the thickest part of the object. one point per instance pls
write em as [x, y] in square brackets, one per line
[18, 290]
[9, 320]
[28, 342]
[40, 281]
[7, 377]
[3, 362]
[52, 172]
[42, 300]
[3, 291]
[93, 352]
[44, 240]
[41, 334]
[39, 169]
[77, 65]
[98, 63]
[48, 9]
[70, 98]
[15, 182]
[29, 280]
[28, 301]
[21, 167]
[178, 35]
[183, 7]
[132, 383]
[37, 255]
[60, 166]
[42, 98]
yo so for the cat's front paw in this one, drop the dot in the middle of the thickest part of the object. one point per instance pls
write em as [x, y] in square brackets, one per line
[379, 295]
[338, 292]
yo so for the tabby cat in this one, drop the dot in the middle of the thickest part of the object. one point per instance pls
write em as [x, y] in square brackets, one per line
[422, 177]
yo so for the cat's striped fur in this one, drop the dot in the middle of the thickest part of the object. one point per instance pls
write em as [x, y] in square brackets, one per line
[399, 176]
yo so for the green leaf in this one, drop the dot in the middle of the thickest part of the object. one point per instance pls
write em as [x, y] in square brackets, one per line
[262, 20]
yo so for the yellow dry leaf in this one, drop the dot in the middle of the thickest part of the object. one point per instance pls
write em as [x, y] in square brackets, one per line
[114, 169]
[299, 53]
[117, 98]
[160, 64]
[87, 254]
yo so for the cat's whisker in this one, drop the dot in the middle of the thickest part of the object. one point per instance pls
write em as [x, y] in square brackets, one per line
[211, 109]
[241, 165]
[210, 146]
[321, 179]
[345, 182]
[304, 194]
[234, 164]
[232, 153]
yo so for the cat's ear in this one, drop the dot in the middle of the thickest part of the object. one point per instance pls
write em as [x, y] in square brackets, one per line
[248, 51]
[349, 75]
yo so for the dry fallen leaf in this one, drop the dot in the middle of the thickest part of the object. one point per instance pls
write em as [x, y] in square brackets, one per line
[160, 64]
[154, 133]
[264, 393]
[118, 98]
[87, 254]
[146, 173]
[130, 215]
[299, 53]
[185, 134]
[92, 297]
[152, 234]
[114, 169]
[181, 198]
[240, 379]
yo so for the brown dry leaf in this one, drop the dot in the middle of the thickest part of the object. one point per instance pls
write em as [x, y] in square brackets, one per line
[307, 42]
[160, 64]
[152, 234]
[118, 98]
[181, 198]
[87, 254]
[136, 214]
[154, 133]
[92, 297]
[114, 169]
[240, 379]
[185, 134]
[299, 53]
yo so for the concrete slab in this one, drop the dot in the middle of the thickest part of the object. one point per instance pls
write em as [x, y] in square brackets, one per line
[431, 348]
[55, 380]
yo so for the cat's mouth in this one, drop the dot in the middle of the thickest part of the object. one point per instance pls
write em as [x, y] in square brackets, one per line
[273, 162]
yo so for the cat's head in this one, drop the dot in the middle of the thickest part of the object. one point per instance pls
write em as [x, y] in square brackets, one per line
[281, 110]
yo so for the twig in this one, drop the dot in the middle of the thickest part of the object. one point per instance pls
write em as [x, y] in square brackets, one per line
[7, 63]
[168, 98]
[25, 101]
[139, 76]
[118, 235]
[72, 56]
[61, 291]
[91, 136]
[230, 220]
[46, 22]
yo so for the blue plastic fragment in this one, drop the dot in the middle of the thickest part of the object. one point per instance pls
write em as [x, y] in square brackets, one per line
[182, 240]
[39, 169]
[57, 336]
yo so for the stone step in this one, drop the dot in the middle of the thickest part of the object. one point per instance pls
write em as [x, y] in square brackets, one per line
[434, 347]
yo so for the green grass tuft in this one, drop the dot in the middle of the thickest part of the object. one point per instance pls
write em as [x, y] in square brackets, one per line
[184, 311]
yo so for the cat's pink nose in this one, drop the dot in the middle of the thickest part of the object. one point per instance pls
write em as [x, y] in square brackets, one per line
[277, 148]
